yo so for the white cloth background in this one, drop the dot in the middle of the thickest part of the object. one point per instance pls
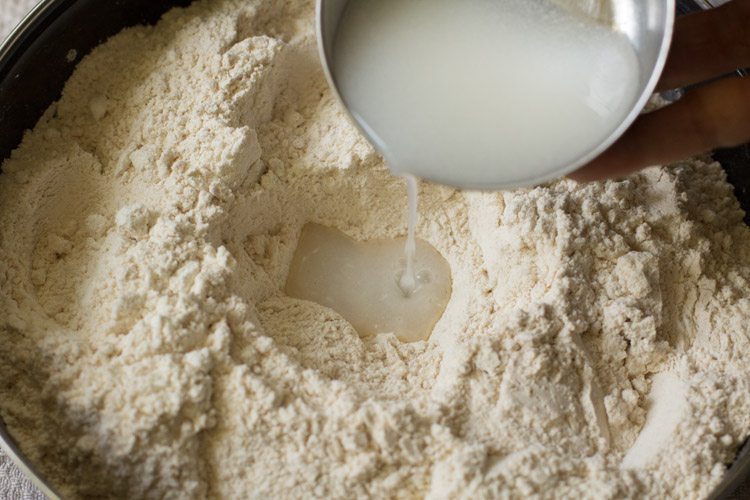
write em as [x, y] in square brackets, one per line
[13, 484]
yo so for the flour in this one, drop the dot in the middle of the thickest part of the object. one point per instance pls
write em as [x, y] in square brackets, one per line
[147, 225]
[666, 402]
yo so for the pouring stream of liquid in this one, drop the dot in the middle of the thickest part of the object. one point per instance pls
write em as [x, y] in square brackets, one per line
[408, 281]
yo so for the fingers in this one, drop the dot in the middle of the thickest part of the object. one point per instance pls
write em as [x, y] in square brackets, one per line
[708, 44]
[717, 115]
[705, 46]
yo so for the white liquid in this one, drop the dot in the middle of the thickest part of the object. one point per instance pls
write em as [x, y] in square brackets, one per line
[361, 281]
[482, 92]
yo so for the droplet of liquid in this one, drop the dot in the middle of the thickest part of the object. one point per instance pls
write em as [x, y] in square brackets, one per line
[407, 283]
[367, 283]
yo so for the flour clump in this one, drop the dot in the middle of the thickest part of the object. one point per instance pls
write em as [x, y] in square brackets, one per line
[147, 226]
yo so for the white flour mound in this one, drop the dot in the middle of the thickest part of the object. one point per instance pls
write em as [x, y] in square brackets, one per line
[146, 349]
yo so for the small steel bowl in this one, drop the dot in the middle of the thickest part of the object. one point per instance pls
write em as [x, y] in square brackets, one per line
[40, 55]
[647, 24]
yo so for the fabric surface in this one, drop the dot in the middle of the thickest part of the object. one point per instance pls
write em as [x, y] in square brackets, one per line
[11, 11]
[13, 483]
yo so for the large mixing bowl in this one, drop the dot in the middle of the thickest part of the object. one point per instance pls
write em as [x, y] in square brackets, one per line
[40, 55]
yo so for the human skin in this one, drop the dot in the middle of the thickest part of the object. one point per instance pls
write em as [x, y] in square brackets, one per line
[705, 46]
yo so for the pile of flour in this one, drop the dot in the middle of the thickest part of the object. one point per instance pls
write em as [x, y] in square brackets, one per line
[147, 225]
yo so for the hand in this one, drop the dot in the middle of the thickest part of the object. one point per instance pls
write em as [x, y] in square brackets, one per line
[706, 45]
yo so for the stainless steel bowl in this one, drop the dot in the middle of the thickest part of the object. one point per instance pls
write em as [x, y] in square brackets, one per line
[646, 23]
[40, 55]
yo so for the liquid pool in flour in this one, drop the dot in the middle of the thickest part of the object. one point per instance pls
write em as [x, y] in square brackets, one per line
[361, 281]
[479, 93]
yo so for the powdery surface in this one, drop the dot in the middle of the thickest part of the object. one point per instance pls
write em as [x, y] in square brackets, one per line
[146, 228]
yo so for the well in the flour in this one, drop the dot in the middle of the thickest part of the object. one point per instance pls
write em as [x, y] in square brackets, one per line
[362, 281]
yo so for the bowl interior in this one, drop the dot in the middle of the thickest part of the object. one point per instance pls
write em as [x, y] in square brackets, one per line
[39, 57]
